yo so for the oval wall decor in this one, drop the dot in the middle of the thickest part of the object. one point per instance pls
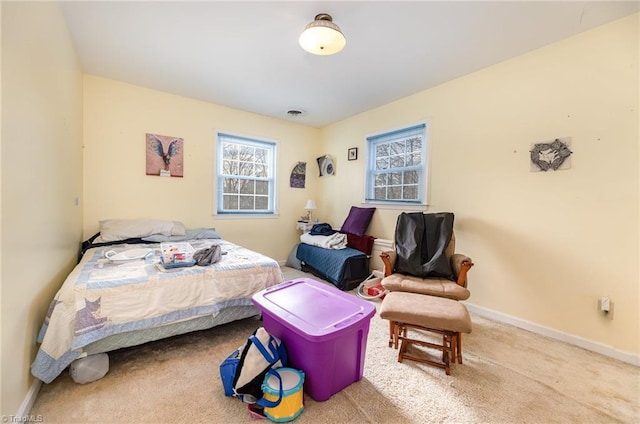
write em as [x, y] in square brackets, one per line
[552, 155]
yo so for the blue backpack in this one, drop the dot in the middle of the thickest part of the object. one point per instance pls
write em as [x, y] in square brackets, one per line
[243, 372]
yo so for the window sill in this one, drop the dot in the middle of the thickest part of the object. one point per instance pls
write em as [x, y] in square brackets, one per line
[396, 206]
[246, 215]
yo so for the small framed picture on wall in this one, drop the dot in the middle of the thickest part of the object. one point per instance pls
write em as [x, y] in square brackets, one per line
[352, 153]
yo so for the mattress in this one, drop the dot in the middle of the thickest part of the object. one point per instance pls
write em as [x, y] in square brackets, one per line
[136, 337]
[345, 268]
[135, 301]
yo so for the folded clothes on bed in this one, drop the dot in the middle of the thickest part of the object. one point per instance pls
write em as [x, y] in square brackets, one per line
[211, 255]
[334, 241]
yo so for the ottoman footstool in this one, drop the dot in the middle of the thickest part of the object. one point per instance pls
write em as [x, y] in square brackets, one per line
[446, 317]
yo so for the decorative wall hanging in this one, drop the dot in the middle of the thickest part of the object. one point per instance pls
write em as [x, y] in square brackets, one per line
[165, 155]
[551, 155]
[325, 163]
[298, 175]
[352, 153]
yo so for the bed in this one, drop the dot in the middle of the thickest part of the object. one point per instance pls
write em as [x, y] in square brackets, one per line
[338, 256]
[345, 268]
[106, 304]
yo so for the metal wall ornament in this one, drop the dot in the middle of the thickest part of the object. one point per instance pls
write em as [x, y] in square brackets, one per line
[551, 155]
[326, 166]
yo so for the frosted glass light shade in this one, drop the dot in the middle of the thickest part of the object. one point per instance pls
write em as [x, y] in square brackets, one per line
[322, 36]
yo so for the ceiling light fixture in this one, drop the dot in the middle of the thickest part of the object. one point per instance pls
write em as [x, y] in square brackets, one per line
[322, 36]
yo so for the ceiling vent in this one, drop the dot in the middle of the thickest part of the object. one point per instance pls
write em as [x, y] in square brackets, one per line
[294, 112]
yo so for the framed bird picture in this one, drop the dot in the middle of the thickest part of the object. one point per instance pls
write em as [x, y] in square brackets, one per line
[165, 155]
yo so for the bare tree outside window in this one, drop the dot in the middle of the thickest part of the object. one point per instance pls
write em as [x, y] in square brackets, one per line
[397, 166]
[246, 177]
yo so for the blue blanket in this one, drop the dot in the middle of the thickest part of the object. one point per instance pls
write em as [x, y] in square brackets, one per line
[335, 265]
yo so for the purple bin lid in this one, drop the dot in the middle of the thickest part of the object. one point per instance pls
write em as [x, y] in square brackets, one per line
[313, 309]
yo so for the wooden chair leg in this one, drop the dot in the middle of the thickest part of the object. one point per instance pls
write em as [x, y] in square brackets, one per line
[392, 332]
[451, 346]
[403, 348]
[447, 367]
[454, 347]
[445, 342]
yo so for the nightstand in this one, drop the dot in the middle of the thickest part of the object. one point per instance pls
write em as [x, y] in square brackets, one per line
[304, 226]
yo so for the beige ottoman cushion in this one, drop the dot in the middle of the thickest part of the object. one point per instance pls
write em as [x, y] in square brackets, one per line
[427, 311]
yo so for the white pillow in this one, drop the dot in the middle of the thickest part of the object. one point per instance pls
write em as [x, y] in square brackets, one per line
[121, 229]
[195, 234]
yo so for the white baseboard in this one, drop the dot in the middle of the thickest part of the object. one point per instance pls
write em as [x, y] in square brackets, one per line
[30, 398]
[628, 357]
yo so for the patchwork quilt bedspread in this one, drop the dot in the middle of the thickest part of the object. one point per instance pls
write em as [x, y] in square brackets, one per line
[101, 297]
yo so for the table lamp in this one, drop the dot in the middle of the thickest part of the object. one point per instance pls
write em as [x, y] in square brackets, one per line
[310, 206]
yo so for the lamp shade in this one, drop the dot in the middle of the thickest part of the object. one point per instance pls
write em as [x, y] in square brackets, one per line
[310, 206]
[322, 36]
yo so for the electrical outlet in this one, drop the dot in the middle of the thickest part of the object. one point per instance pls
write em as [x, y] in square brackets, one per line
[605, 306]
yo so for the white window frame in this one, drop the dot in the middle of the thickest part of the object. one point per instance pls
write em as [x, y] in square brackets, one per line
[223, 138]
[421, 129]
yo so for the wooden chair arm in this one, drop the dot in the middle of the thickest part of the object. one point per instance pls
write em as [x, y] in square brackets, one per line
[388, 259]
[462, 277]
[461, 265]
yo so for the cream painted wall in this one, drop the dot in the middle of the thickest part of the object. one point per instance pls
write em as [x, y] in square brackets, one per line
[548, 245]
[41, 178]
[116, 118]
[534, 236]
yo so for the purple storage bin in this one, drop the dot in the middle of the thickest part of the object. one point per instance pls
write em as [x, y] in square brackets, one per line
[323, 329]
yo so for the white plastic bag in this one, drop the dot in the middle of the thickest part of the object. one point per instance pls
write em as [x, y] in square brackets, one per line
[90, 368]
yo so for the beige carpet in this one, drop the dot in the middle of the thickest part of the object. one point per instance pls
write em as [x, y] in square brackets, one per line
[508, 376]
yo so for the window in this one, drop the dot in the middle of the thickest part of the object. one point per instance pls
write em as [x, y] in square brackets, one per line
[246, 175]
[397, 171]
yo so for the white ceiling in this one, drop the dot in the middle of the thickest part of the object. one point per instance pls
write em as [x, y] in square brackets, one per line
[245, 55]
